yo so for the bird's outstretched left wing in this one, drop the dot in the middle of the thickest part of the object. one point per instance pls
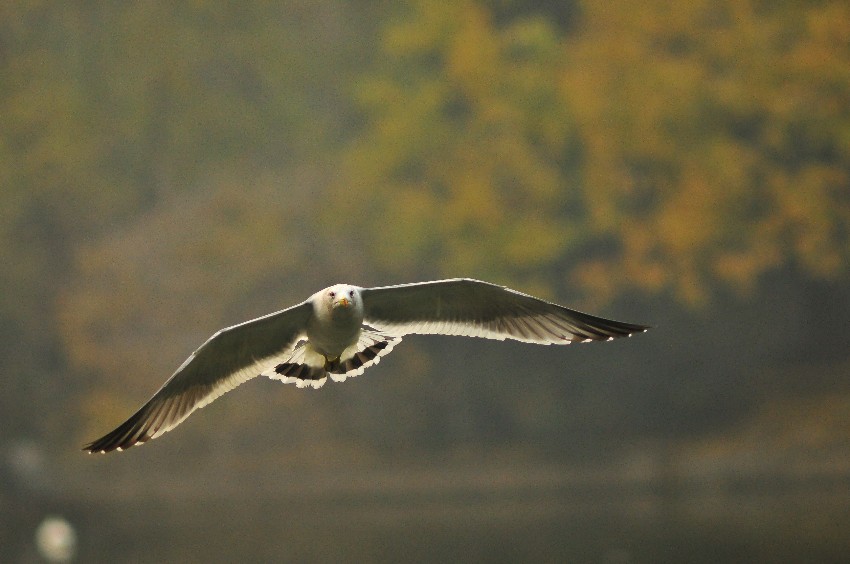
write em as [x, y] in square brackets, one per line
[228, 358]
[473, 308]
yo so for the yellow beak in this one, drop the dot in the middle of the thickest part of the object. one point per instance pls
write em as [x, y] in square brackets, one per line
[344, 302]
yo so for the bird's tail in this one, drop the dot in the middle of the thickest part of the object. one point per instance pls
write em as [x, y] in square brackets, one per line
[306, 368]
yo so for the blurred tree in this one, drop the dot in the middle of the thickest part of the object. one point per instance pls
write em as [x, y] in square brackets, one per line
[56, 191]
[714, 141]
[465, 148]
[107, 108]
[668, 148]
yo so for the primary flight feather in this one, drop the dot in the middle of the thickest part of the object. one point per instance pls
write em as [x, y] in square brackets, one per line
[342, 330]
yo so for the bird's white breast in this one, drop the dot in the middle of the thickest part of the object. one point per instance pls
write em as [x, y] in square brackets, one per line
[332, 330]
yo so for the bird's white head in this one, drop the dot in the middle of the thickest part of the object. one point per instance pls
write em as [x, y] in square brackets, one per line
[340, 299]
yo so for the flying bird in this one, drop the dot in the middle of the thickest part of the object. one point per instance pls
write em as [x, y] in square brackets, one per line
[340, 331]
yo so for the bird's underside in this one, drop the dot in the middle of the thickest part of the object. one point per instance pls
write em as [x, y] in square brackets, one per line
[341, 331]
[371, 346]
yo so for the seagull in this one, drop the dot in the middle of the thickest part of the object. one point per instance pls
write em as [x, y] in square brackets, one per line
[340, 331]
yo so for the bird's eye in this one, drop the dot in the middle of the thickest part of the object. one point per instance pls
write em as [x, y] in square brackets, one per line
[332, 294]
[351, 293]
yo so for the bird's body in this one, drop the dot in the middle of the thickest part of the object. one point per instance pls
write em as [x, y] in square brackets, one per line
[330, 331]
[340, 331]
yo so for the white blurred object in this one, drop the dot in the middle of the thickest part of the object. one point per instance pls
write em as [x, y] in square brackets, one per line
[56, 539]
[25, 458]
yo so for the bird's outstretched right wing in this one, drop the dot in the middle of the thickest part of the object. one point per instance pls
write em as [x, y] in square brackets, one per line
[228, 358]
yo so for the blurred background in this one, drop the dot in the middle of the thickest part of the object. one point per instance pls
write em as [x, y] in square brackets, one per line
[167, 169]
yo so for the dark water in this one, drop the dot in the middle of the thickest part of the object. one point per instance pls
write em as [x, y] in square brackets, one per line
[750, 522]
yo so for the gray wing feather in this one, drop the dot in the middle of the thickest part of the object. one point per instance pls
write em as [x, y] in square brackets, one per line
[228, 358]
[479, 309]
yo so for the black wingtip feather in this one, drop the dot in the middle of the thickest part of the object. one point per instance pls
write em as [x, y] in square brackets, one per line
[126, 435]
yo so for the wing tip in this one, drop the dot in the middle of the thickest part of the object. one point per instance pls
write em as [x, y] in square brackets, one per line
[608, 331]
[109, 444]
[133, 432]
